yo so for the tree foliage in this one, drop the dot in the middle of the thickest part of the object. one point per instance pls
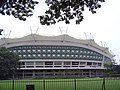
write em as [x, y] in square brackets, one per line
[18, 8]
[65, 10]
[8, 63]
[59, 10]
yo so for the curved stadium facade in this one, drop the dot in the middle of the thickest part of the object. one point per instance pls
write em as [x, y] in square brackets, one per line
[58, 56]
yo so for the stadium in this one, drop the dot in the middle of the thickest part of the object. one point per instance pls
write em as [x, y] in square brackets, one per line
[58, 56]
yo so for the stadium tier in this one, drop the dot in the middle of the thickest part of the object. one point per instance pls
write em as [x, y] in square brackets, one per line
[58, 56]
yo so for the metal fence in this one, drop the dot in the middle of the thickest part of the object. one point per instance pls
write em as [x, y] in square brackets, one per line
[62, 84]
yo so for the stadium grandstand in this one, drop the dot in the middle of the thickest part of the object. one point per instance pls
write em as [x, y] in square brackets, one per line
[58, 56]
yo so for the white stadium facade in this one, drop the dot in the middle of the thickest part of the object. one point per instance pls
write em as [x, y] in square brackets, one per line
[58, 56]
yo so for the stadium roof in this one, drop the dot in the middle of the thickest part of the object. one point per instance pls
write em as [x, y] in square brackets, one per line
[60, 38]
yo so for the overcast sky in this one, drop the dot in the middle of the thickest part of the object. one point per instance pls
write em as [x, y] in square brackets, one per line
[103, 26]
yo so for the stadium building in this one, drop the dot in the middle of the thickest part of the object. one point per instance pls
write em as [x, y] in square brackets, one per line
[58, 56]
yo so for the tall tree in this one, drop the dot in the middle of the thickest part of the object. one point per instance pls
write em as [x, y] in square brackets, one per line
[8, 63]
[59, 10]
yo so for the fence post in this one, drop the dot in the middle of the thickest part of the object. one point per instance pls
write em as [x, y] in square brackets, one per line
[13, 82]
[43, 84]
[103, 84]
[75, 83]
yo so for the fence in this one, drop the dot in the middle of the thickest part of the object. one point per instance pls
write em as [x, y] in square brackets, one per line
[62, 84]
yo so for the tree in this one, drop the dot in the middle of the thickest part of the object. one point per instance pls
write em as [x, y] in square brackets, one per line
[8, 63]
[18, 8]
[59, 10]
[112, 69]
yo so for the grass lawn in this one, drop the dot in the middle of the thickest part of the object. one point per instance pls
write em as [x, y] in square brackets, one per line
[61, 84]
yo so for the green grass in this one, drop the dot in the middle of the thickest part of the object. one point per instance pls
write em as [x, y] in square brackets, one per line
[61, 84]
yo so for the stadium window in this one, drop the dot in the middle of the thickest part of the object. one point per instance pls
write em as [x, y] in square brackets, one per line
[24, 55]
[33, 50]
[53, 55]
[67, 63]
[75, 63]
[58, 55]
[30, 66]
[72, 51]
[20, 56]
[68, 51]
[24, 50]
[29, 55]
[57, 47]
[48, 63]
[99, 64]
[88, 56]
[39, 55]
[29, 63]
[63, 51]
[84, 56]
[39, 63]
[82, 63]
[84, 52]
[10, 50]
[80, 56]
[96, 57]
[89, 63]
[95, 53]
[76, 56]
[58, 51]
[77, 51]
[48, 50]
[91, 52]
[39, 50]
[63, 55]
[14, 50]
[22, 63]
[81, 51]
[19, 48]
[67, 55]
[54, 50]
[94, 63]
[72, 55]
[48, 55]
[44, 55]
[91, 56]
[34, 55]
[57, 63]
[24, 47]
[29, 50]
[88, 52]
[43, 50]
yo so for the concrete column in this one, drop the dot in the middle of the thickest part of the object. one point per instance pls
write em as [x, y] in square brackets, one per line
[33, 74]
[23, 74]
[43, 64]
[90, 73]
[25, 64]
[82, 72]
[103, 61]
[54, 73]
[62, 63]
[34, 64]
